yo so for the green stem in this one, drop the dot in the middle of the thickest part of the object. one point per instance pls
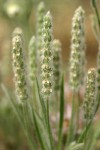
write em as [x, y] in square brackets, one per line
[35, 100]
[77, 109]
[71, 126]
[49, 127]
[56, 107]
[61, 119]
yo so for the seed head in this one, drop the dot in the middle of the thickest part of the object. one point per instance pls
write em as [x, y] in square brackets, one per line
[32, 59]
[56, 46]
[46, 57]
[18, 65]
[89, 103]
[77, 57]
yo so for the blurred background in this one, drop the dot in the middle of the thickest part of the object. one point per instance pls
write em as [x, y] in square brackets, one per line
[25, 16]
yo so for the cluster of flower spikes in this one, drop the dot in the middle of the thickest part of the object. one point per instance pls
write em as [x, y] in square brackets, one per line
[77, 58]
[46, 57]
[89, 104]
[18, 65]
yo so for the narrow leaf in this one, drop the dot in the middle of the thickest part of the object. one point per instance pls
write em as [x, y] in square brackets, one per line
[38, 132]
[84, 133]
[94, 5]
[41, 100]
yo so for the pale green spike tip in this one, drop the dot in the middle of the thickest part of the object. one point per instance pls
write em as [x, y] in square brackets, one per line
[41, 6]
[48, 17]
[17, 31]
[80, 9]
[48, 14]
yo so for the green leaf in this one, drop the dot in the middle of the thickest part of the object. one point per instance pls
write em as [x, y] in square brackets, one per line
[19, 114]
[97, 101]
[61, 114]
[41, 125]
[84, 133]
[38, 132]
[94, 26]
[14, 106]
[95, 137]
[41, 101]
[75, 146]
[94, 6]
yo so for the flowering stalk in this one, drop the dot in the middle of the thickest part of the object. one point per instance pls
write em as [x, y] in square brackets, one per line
[56, 46]
[89, 103]
[77, 47]
[32, 59]
[46, 69]
[18, 65]
[46, 57]
[76, 66]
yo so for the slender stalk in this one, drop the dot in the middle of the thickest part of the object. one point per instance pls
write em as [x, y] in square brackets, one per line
[77, 109]
[35, 100]
[71, 126]
[49, 127]
[60, 135]
[56, 103]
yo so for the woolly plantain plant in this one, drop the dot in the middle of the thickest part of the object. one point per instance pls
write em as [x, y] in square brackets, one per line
[36, 121]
